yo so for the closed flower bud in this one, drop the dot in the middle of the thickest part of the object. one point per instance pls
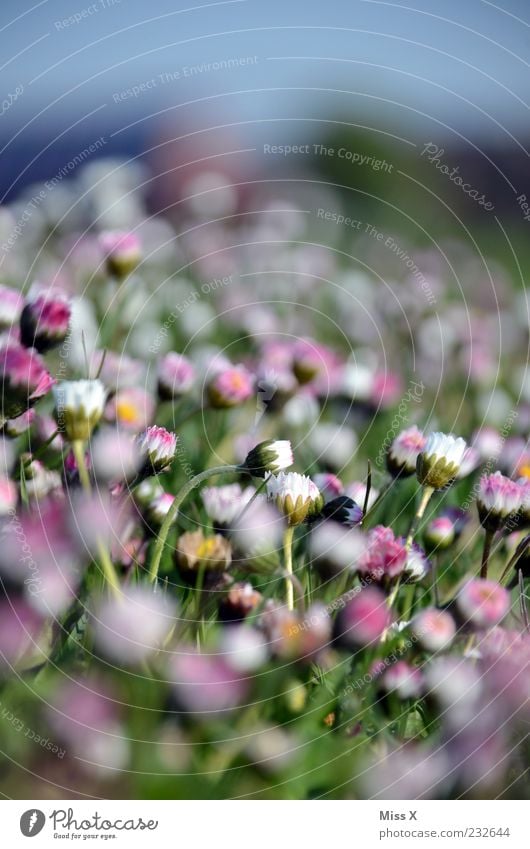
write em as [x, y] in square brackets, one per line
[146, 492]
[45, 321]
[439, 462]
[24, 379]
[417, 565]
[402, 679]
[78, 407]
[269, 456]
[175, 376]
[230, 387]
[433, 629]
[307, 360]
[497, 500]
[157, 446]
[241, 600]
[343, 510]
[122, 252]
[295, 495]
[195, 552]
[483, 603]
[385, 557]
[158, 508]
[364, 619]
[19, 425]
[403, 454]
[440, 533]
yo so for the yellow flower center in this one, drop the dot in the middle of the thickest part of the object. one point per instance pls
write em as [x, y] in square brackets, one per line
[126, 411]
[206, 548]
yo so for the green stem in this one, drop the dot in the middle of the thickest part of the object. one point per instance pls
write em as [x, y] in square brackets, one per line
[385, 489]
[78, 449]
[108, 568]
[249, 503]
[435, 592]
[408, 605]
[288, 555]
[104, 557]
[514, 560]
[425, 498]
[173, 510]
[488, 539]
[40, 451]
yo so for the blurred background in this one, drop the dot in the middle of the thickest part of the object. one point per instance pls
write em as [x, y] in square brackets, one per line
[353, 172]
[161, 81]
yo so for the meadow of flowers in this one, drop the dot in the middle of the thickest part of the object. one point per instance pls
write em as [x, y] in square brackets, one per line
[264, 514]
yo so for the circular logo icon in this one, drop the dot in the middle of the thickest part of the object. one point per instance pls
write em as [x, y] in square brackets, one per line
[32, 822]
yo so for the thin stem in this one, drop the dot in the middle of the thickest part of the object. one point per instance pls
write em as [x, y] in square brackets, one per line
[104, 557]
[173, 510]
[522, 601]
[390, 604]
[393, 595]
[40, 451]
[488, 539]
[425, 498]
[288, 556]
[512, 563]
[408, 606]
[368, 488]
[249, 503]
[78, 449]
[435, 592]
[108, 568]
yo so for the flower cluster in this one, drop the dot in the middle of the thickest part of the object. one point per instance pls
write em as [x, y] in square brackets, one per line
[210, 580]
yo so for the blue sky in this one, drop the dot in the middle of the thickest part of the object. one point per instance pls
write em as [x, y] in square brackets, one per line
[457, 71]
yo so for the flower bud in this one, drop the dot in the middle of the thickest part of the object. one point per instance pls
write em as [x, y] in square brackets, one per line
[269, 456]
[295, 495]
[403, 454]
[241, 600]
[364, 619]
[439, 462]
[230, 387]
[497, 500]
[440, 533]
[433, 629]
[45, 321]
[175, 376]
[195, 552]
[78, 407]
[157, 445]
[24, 379]
[343, 510]
[483, 603]
[122, 252]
